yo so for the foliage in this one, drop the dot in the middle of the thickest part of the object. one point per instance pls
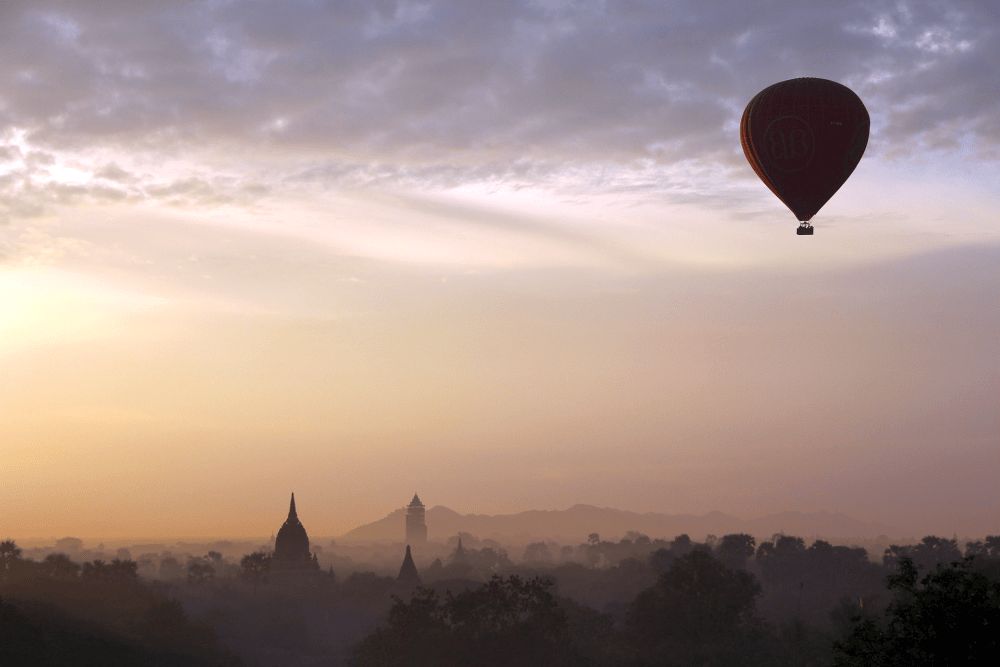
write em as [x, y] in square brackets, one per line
[931, 552]
[55, 612]
[43, 636]
[634, 602]
[735, 550]
[805, 583]
[949, 617]
[117, 570]
[988, 548]
[200, 571]
[506, 621]
[254, 568]
[10, 557]
[537, 552]
[698, 612]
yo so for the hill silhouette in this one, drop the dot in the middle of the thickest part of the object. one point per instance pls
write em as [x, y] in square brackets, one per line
[577, 522]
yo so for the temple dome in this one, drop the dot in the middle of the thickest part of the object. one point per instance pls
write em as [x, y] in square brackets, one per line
[292, 543]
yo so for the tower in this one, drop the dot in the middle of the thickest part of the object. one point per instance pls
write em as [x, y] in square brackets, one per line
[416, 528]
[459, 557]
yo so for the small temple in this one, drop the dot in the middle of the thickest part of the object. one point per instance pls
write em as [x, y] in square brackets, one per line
[459, 557]
[408, 571]
[291, 546]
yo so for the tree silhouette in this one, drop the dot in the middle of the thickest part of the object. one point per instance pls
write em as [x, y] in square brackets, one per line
[507, 621]
[170, 568]
[537, 552]
[254, 568]
[59, 566]
[681, 545]
[950, 617]
[199, 571]
[928, 554]
[10, 558]
[117, 570]
[735, 550]
[988, 548]
[698, 612]
[661, 560]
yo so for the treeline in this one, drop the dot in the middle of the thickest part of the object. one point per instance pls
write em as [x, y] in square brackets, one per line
[59, 612]
[633, 602]
[726, 602]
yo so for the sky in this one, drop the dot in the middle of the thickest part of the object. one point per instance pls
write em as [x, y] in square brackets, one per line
[506, 254]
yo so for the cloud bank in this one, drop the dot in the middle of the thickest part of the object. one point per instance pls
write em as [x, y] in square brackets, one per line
[594, 95]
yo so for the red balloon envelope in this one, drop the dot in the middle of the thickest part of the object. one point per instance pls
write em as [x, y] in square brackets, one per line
[804, 137]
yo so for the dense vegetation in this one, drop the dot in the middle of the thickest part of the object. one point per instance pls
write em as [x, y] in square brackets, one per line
[58, 612]
[631, 603]
[726, 602]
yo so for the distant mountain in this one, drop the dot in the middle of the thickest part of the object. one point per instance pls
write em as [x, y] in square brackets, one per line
[576, 523]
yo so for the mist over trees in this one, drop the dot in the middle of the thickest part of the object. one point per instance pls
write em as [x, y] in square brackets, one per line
[632, 602]
[60, 612]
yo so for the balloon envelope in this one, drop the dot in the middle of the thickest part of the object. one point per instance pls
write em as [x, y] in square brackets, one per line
[804, 137]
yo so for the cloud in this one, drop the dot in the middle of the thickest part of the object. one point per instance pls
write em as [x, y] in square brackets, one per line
[462, 85]
[223, 103]
[37, 182]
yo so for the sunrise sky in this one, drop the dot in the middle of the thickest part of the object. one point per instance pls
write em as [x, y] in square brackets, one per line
[506, 254]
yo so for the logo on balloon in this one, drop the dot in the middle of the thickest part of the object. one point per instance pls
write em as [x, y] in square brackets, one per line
[789, 144]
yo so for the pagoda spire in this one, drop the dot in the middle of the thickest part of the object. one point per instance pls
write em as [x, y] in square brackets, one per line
[459, 555]
[291, 509]
[408, 572]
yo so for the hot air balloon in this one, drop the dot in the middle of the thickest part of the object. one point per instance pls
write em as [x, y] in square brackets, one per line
[804, 137]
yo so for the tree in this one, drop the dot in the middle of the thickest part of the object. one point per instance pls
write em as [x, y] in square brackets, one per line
[948, 618]
[804, 584]
[199, 571]
[69, 544]
[661, 560]
[489, 559]
[170, 568]
[94, 569]
[124, 569]
[59, 566]
[735, 549]
[681, 545]
[110, 617]
[699, 612]
[782, 559]
[988, 548]
[506, 621]
[44, 635]
[635, 537]
[117, 570]
[928, 554]
[254, 568]
[10, 558]
[537, 552]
